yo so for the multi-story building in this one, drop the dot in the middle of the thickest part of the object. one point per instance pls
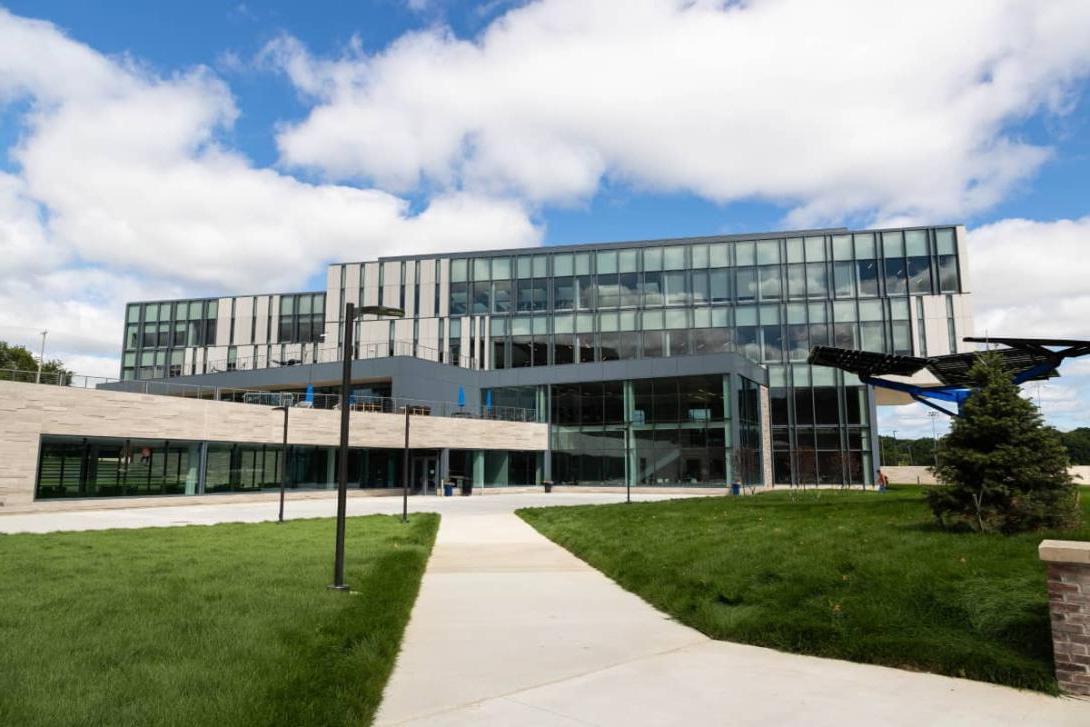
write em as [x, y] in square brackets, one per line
[678, 361]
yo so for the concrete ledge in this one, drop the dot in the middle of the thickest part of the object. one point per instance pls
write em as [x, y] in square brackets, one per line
[1064, 551]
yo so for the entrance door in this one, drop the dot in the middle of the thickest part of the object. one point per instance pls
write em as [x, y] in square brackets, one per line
[425, 474]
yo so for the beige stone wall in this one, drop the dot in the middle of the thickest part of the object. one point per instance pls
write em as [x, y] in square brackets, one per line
[906, 475]
[28, 411]
[766, 437]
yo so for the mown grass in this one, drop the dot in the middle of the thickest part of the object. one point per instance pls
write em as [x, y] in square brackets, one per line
[865, 577]
[219, 625]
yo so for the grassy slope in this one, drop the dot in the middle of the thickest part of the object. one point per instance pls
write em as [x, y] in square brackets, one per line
[220, 625]
[858, 576]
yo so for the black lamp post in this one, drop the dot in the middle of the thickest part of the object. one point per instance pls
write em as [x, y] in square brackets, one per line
[351, 313]
[283, 461]
[405, 471]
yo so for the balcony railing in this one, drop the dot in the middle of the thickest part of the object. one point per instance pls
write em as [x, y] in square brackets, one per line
[316, 400]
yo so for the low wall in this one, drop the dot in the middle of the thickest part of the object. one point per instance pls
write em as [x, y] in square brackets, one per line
[28, 411]
[1068, 569]
[911, 475]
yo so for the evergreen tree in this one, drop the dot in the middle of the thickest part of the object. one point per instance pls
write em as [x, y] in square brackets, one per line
[1002, 468]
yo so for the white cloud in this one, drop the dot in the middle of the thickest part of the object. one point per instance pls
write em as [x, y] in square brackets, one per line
[124, 191]
[1029, 278]
[836, 108]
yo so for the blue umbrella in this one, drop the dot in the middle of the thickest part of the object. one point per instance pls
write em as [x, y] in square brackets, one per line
[310, 394]
[488, 399]
[461, 396]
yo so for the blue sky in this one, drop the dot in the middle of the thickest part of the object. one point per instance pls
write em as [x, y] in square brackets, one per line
[371, 126]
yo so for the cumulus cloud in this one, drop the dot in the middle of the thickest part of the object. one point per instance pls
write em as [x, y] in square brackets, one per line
[834, 108]
[123, 190]
[1029, 278]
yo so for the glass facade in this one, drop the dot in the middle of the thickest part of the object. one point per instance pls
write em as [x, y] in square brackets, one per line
[660, 431]
[768, 298]
[82, 467]
[158, 334]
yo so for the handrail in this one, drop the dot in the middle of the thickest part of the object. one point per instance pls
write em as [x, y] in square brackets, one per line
[260, 397]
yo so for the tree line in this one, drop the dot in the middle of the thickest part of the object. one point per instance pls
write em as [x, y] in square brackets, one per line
[921, 451]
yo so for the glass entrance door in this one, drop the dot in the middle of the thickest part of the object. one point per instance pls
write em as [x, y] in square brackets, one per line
[425, 474]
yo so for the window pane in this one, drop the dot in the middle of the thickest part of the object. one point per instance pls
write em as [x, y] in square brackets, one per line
[564, 293]
[747, 283]
[919, 274]
[501, 296]
[674, 258]
[916, 243]
[948, 273]
[896, 276]
[458, 271]
[719, 255]
[816, 280]
[944, 241]
[563, 264]
[482, 269]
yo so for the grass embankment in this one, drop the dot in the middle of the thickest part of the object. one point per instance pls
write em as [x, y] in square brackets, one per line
[866, 577]
[220, 625]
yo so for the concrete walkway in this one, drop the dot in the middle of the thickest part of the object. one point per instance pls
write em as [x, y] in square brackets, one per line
[212, 512]
[510, 629]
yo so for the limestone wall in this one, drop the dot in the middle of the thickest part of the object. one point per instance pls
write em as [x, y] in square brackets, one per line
[27, 411]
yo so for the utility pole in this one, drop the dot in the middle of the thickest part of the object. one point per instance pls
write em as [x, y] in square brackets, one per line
[934, 437]
[41, 360]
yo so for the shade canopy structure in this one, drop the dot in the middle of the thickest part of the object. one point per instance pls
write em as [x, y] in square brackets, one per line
[1027, 359]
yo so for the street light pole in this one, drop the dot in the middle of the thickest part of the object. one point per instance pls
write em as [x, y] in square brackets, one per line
[405, 471]
[41, 360]
[283, 461]
[350, 315]
[934, 437]
[342, 451]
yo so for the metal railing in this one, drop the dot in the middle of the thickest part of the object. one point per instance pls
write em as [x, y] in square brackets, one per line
[259, 397]
[312, 354]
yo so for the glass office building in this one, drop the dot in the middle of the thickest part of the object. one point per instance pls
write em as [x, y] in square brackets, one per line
[658, 362]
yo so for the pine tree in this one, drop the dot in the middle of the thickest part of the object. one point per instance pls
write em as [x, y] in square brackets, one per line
[1002, 468]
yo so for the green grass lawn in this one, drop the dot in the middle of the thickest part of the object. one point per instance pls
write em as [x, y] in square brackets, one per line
[220, 625]
[860, 576]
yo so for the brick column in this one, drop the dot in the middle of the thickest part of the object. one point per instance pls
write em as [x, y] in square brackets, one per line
[1068, 564]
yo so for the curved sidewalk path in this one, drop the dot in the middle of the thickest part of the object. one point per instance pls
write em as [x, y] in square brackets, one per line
[511, 629]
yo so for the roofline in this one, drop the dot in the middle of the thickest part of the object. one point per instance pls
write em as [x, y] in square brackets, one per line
[549, 249]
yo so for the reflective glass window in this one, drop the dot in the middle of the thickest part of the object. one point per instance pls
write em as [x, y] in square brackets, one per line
[944, 241]
[770, 282]
[919, 275]
[674, 258]
[817, 285]
[948, 273]
[501, 296]
[564, 293]
[896, 276]
[916, 243]
[746, 283]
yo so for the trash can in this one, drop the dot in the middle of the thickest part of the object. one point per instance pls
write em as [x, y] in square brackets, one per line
[548, 485]
[736, 488]
[448, 489]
